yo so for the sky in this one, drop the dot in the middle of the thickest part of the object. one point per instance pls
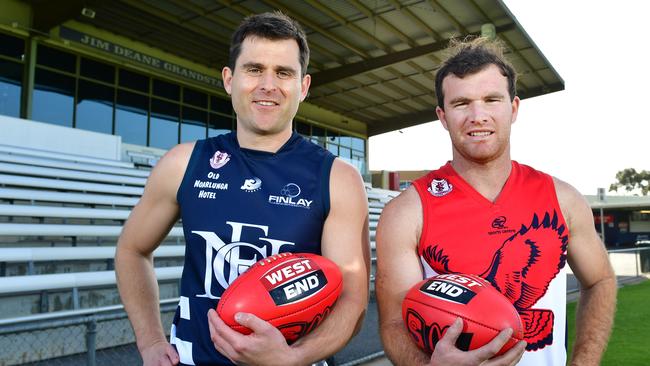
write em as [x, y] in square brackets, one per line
[598, 125]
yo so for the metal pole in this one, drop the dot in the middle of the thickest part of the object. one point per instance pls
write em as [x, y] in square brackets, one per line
[91, 332]
[28, 77]
[602, 226]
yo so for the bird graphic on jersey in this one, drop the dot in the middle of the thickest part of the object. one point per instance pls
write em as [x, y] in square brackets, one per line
[521, 269]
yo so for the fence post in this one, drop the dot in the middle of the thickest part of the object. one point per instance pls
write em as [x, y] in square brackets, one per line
[75, 298]
[91, 339]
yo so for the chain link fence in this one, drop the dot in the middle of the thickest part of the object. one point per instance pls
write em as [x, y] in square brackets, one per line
[52, 338]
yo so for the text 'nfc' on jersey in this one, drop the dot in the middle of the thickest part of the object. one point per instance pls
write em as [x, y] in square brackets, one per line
[289, 197]
[294, 281]
[448, 291]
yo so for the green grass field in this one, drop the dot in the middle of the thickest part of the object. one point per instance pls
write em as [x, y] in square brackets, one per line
[629, 344]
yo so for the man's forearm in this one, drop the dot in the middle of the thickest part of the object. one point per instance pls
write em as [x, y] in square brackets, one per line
[399, 347]
[594, 319]
[139, 292]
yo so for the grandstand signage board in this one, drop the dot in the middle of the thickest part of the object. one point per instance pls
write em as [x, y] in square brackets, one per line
[137, 57]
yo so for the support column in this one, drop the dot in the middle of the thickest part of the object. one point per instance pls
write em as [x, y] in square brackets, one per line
[28, 85]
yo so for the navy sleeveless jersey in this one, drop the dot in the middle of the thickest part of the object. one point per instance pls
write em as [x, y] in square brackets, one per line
[237, 207]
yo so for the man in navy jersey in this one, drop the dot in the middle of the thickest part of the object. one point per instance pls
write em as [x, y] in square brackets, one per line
[244, 196]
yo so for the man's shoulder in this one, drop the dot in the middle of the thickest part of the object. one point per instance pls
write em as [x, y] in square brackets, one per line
[175, 160]
[180, 153]
[405, 202]
[566, 193]
[343, 172]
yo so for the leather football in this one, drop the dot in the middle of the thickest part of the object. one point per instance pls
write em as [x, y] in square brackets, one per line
[431, 306]
[294, 292]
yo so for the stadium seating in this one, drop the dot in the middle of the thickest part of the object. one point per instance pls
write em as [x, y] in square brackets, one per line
[60, 216]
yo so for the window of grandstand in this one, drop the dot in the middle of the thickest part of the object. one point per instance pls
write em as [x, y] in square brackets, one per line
[333, 142]
[76, 91]
[318, 135]
[133, 81]
[164, 124]
[131, 113]
[95, 107]
[219, 124]
[12, 54]
[349, 148]
[193, 125]
[353, 150]
[53, 97]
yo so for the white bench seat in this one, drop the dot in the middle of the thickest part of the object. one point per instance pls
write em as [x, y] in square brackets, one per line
[374, 210]
[11, 229]
[60, 281]
[65, 212]
[29, 170]
[376, 204]
[62, 156]
[52, 163]
[17, 255]
[66, 197]
[45, 183]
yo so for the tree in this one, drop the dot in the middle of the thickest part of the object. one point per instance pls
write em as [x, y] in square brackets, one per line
[630, 179]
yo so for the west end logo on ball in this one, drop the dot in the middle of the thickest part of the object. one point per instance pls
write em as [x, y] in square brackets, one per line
[447, 290]
[294, 281]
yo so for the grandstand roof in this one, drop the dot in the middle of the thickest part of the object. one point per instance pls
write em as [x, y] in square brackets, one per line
[622, 202]
[372, 60]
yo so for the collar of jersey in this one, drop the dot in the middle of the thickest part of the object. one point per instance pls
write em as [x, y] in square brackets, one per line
[289, 145]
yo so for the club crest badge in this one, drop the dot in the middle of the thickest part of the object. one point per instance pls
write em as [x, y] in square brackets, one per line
[219, 159]
[440, 187]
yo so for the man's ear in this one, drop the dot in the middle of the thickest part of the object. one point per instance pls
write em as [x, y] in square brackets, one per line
[226, 75]
[441, 116]
[515, 109]
[304, 86]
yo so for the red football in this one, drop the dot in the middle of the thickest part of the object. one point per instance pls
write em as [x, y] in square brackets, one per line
[432, 305]
[292, 291]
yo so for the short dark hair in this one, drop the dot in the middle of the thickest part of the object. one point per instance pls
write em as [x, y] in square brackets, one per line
[471, 55]
[273, 26]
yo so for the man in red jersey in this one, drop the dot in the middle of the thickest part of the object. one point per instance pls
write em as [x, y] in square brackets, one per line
[483, 213]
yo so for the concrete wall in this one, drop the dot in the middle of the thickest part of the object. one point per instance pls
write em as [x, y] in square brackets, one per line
[45, 136]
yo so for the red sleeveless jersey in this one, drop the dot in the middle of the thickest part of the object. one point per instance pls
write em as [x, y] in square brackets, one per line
[518, 243]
